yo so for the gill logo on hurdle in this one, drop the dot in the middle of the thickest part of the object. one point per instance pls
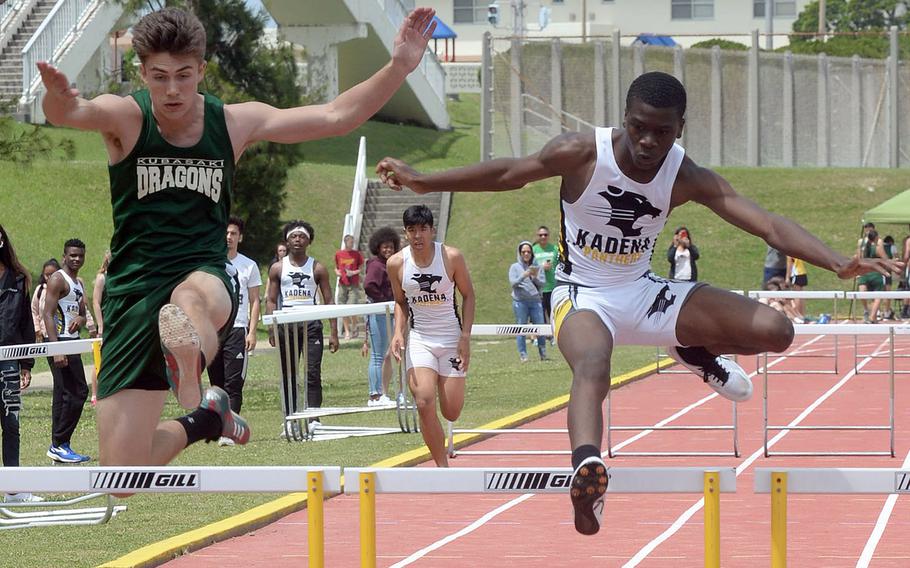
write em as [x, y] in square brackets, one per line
[15, 352]
[902, 482]
[138, 480]
[542, 481]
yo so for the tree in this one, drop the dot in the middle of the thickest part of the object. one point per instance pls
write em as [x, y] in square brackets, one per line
[241, 67]
[846, 16]
[21, 143]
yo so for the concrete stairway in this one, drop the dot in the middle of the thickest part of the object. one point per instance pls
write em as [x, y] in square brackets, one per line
[11, 56]
[384, 207]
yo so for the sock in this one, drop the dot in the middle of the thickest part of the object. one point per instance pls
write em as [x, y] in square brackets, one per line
[581, 453]
[201, 424]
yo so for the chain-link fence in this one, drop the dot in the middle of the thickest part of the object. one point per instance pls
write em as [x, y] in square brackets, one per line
[745, 108]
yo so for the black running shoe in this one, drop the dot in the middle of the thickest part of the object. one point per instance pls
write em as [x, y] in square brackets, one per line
[589, 483]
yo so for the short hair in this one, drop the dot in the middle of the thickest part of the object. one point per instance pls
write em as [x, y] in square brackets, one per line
[236, 221]
[171, 31]
[298, 223]
[660, 90]
[384, 235]
[869, 225]
[73, 243]
[417, 215]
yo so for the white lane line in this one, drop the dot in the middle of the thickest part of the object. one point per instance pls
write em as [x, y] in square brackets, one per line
[467, 530]
[883, 517]
[682, 519]
[505, 507]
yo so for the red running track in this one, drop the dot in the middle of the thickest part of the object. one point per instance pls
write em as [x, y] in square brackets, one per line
[646, 530]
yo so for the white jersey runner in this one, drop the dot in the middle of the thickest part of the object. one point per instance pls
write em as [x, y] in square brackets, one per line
[68, 307]
[430, 294]
[298, 283]
[608, 235]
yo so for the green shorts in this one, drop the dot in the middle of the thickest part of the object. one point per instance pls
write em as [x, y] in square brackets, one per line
[874, 281]
[131, 355]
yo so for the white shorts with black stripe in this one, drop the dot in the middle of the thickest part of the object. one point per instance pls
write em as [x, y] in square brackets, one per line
[641, 312]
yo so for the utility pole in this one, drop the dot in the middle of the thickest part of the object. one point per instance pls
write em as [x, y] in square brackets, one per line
[822, 26]
[584, 21]
[518, 18]
[769, 25]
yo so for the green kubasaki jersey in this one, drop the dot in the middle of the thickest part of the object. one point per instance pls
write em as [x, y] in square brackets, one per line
[170, 204]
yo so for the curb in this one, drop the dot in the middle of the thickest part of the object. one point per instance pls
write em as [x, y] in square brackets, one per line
[257, 517]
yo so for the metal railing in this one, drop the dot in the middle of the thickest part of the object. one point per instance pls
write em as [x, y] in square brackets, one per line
[56, 33]
[12, 14]
[397, 11]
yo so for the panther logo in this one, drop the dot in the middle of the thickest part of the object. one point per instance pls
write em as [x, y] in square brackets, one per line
[456, 363]
[662, 302]
[427, 282]
[298, 278]
[625, 209]
[79, 294]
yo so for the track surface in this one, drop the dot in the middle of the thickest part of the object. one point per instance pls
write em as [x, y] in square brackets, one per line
[648, 530]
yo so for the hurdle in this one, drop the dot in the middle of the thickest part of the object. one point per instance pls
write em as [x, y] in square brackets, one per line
[895, 295]
[480, 330]
[806, 295]
[316, 481]
[296, 424]
[780, 482]
[839, 329]
[49, 349]
[367, 482]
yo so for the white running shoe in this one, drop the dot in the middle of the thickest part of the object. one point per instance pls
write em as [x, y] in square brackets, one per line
[722, 374]
[225, 441]
[22, 498]
[589, 483]
[385, 401]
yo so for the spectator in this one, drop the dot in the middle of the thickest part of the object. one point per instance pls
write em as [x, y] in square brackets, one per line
[228, 368]
[799, 279]
[383, 243]
[348, 262]
[871, 246]
[281, 251]
[47, 270]
[16, 327]
[775, 265]
[97, 296]
[682, 255]
[527, 280]
[783, 305]
[890, 250]
[297, 279]
[546, 254]
[64, 315]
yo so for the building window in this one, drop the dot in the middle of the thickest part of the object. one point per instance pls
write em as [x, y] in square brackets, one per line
[692, 9]
[782, 8]
[470, 11]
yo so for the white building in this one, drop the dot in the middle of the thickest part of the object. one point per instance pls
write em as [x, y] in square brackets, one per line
[686, 21]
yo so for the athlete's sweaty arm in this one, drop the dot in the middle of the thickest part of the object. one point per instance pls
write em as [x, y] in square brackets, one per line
[564, 155]
[702, 185]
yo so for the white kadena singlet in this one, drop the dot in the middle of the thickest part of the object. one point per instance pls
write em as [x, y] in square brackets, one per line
[430, 294]
[608, 235]
[298, 283]
[68, 307]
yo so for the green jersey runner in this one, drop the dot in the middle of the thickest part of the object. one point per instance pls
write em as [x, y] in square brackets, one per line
[170, 208]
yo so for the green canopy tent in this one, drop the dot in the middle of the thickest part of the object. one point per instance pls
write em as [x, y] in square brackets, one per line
[895, 211]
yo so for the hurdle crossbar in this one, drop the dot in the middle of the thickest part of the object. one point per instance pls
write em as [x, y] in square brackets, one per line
[369, 482]
[780, 482]
[47, 349]
[165, 479]
[838, 329]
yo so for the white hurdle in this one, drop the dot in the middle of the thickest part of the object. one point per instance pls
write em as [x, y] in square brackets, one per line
[779, 482]
[50, 349]
[317, 481]
[369, 481]
[296, 425]
[839, 329]
[508, 329]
